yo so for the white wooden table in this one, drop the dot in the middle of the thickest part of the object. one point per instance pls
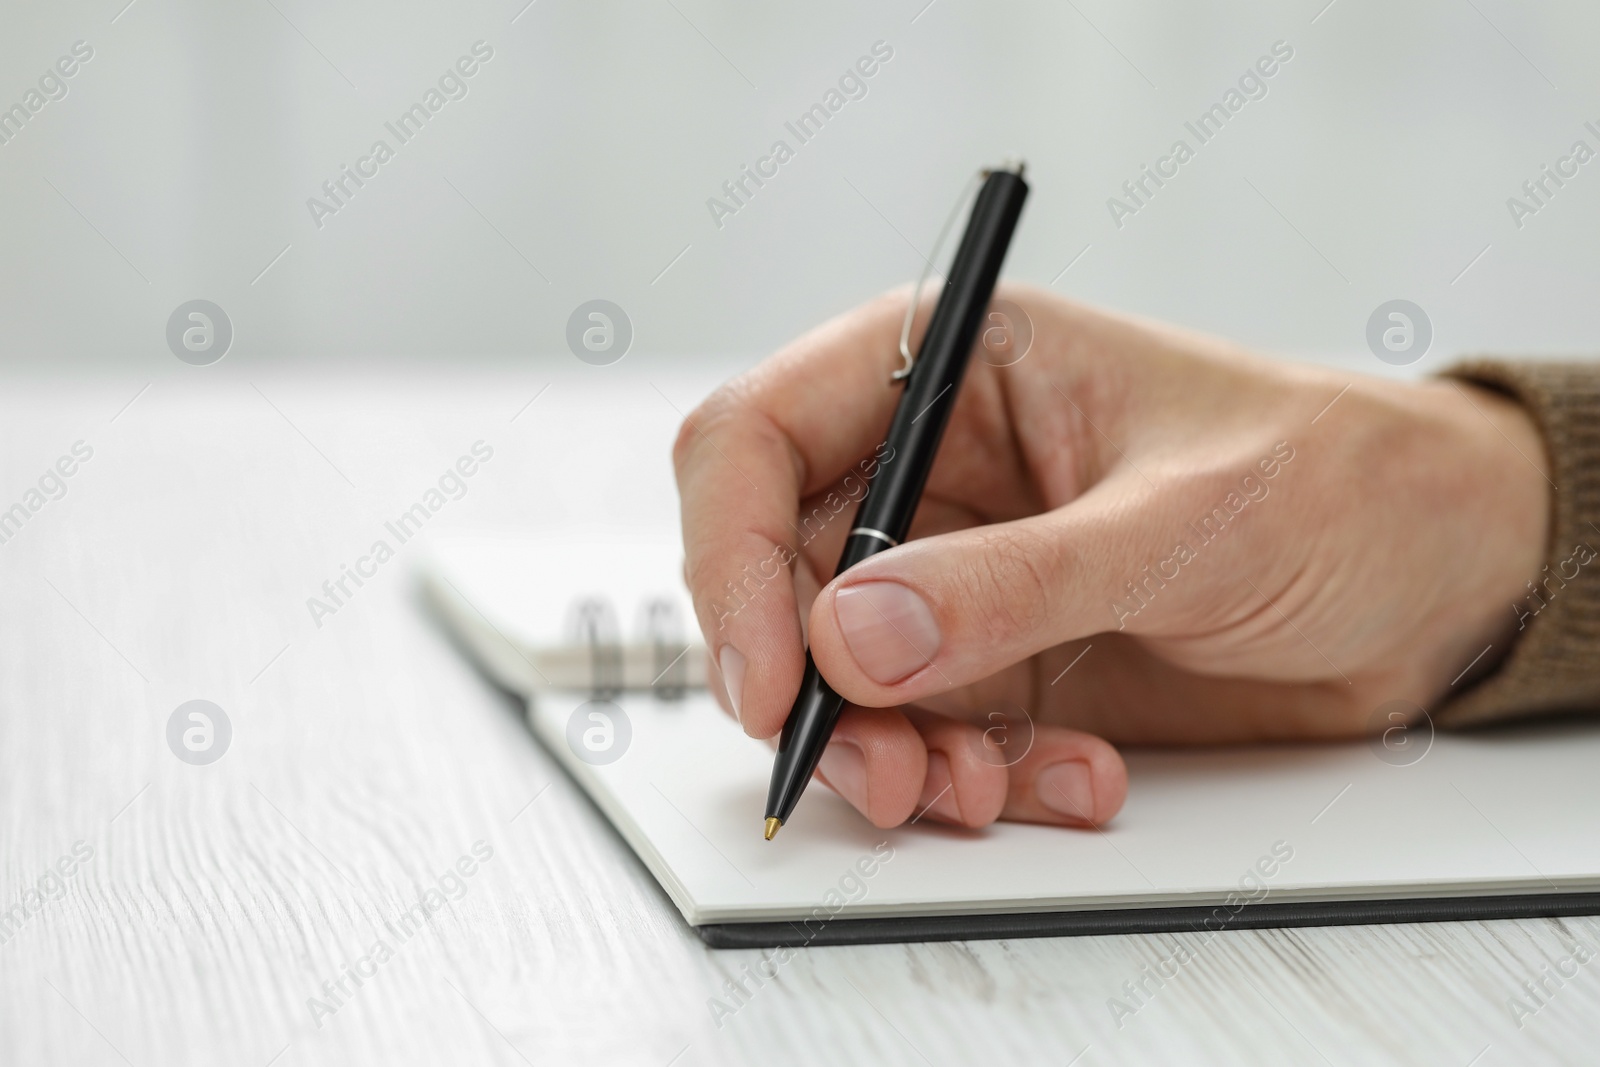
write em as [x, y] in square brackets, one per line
[367, 756]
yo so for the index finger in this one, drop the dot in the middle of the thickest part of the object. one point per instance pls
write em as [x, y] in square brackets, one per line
[798, 423]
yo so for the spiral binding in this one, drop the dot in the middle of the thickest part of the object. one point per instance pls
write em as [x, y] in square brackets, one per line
[592, 622]
[663, 627]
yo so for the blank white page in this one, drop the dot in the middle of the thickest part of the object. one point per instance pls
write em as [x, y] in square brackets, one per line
[1501, 812]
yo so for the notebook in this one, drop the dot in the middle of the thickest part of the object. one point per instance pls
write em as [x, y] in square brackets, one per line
[600, 638]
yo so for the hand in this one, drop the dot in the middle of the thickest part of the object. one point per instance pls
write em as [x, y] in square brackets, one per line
[1135, 534]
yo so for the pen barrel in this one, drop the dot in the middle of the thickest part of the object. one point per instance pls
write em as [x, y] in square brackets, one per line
[946, 349]
[803, 740]
[919, 422]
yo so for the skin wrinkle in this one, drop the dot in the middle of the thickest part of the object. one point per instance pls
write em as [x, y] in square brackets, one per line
[1084, 443]
[1243, 623]
[778, 435]
[891, 362]
[741, 403]
[1035, 683]
[1015, 553]
[1200, 493]
[692, 437]
[1014, 457]
[1011, 419]
[1094, 384]
[707, 569]
[1060, 482]
[955, 471]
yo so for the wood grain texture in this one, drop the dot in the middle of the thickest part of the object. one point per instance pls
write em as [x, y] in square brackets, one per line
[368, 756]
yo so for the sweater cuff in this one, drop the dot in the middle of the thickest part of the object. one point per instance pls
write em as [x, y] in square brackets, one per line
[1555, 664]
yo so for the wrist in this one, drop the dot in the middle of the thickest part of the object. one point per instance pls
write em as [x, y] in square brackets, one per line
[1555, 627]
[1510, 501]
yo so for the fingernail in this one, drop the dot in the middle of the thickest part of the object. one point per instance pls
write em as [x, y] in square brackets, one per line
[844, 765]
[888, 628]
[730, 661]
[938, 790]
[1067, 788]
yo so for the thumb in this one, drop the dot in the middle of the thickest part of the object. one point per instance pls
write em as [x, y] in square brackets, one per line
[945, 611]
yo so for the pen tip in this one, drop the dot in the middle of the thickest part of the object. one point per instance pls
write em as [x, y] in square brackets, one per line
[772, 828]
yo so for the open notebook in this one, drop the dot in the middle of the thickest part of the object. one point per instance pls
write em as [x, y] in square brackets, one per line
[1494, 824]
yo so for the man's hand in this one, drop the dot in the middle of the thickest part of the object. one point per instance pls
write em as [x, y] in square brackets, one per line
[1133, 534]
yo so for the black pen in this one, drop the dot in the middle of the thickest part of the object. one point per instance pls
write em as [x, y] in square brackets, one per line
[919, 420]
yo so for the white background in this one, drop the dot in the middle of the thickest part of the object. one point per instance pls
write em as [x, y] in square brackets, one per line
[1381, 161]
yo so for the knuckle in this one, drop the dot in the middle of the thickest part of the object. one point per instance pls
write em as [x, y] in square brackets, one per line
[700, 571]
[1015, 578]
[720, 408]
[750, 572]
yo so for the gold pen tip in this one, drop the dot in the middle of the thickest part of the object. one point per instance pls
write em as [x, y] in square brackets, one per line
[772, 828]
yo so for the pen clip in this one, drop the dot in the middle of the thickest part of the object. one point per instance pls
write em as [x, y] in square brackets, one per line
[927, 268]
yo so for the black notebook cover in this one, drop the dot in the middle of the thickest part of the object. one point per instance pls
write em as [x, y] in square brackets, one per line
[891, 929]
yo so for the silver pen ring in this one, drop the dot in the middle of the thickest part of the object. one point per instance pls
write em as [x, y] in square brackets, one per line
[879, 534]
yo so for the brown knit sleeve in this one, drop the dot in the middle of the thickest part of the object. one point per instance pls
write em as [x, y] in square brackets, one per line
[1555, 664]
